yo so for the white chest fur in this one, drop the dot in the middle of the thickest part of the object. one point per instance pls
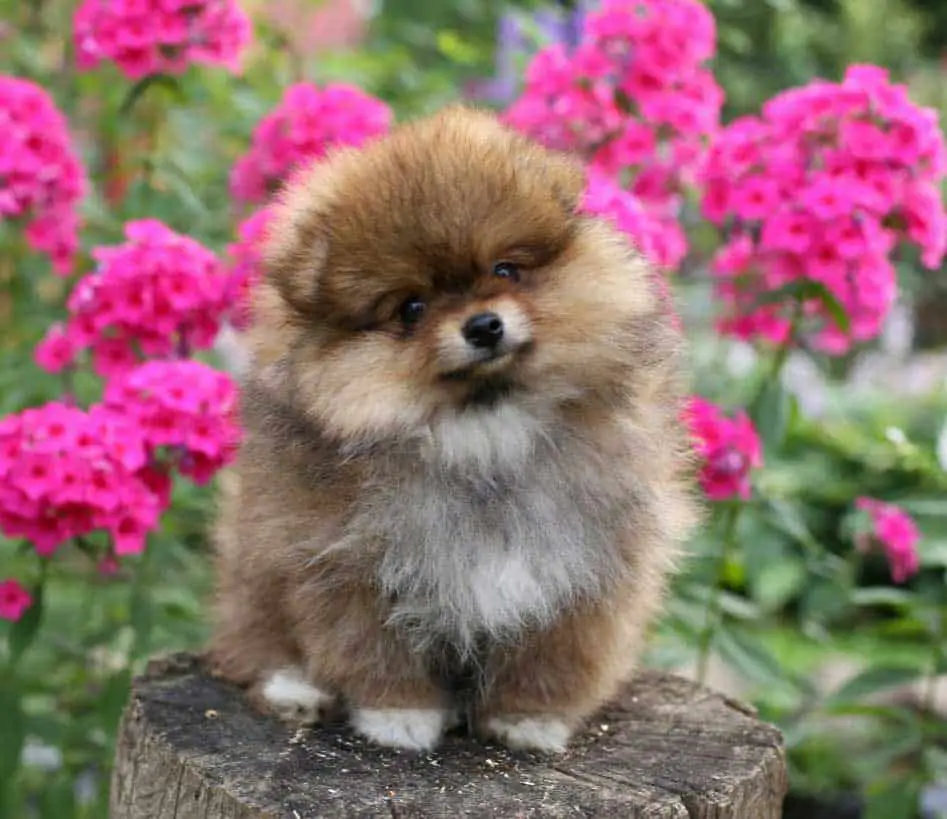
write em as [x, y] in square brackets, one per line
[491, 538]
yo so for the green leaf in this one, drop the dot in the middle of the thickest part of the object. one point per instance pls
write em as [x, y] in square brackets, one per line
[771, 412]
[453, 46]
[787, 518]
[58, 799]
[24, 630]
[882, 596]
[778, 582]
[893, 800]
[872, 680]
[137, 91]
[748, 656]
[11, 740]
[932, 553]
[804, 290]
[114, 696]
[142, 619]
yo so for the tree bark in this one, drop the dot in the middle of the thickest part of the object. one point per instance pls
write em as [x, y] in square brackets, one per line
[190, 747]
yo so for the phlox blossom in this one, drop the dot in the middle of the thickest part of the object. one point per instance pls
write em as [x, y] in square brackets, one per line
[660, 241]
[185, 409]
[307, 122]
[246, 259]
[145, 37]
[895, 531]
[729, 449]
[161, 294]
[14, 600]
[65, 472]
[41, 178]
[634, 97]
[822, 187]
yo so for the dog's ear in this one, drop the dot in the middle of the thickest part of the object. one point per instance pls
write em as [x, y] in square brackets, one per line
[296, 245]
[567, 181]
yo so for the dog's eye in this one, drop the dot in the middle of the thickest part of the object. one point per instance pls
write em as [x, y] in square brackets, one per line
[507, 270]
[411, 310]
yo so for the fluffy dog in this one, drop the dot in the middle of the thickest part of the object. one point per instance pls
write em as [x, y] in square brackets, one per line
[464, 479]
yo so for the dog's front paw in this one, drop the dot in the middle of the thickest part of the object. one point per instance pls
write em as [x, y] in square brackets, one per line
[415, 729]
[289, 695]
[547, 734]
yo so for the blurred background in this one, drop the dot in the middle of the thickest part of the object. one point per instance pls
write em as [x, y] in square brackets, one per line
[802, 617]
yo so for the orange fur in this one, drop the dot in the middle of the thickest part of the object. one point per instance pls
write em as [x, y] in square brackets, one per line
[416, 526]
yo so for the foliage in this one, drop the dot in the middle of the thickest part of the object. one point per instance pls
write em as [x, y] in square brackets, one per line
[112, 335]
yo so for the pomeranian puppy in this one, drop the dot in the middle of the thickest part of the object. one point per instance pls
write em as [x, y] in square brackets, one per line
[464, 480]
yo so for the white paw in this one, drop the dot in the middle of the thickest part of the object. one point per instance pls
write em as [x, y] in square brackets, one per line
[293, 698]
[417, 729]
[547, 734]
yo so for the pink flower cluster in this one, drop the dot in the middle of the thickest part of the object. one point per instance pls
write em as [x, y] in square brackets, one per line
[65, 473]
[661, 242]
[41, 178]
[14, 600]
[634, 97]
[161, 295]
[895, 532]
[728, 448]
[308, 121]
[822, 187]
[246, 257]
[144, 37]
[185, 408]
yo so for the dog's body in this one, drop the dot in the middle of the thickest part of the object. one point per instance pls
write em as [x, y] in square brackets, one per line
[468, 504]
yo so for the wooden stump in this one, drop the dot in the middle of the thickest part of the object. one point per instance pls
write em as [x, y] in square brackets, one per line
[190, 748]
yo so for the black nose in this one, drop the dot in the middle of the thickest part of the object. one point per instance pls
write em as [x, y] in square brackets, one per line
[483, 330]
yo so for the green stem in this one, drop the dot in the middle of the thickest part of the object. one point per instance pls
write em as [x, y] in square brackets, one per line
[141, 613]
[706, 639]
[938, 657]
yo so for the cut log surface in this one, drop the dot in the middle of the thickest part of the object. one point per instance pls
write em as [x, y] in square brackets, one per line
[190, 747]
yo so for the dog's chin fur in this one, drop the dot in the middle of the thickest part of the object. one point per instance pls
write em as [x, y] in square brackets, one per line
[407, 509]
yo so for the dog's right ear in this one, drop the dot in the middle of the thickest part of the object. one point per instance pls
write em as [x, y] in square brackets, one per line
[296, 243]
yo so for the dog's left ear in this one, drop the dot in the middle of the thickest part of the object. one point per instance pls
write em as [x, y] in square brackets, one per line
[567, 181]
[296, 245]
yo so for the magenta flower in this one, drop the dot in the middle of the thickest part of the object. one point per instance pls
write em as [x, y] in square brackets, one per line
[822, 187]
[145, 37]
[661, 241]
[159, 294]
[307, 122]
[14, 600]
[634, 97]
[65, 472]
[246, 264]
[41, 178]
[895, 532]
[728, 447]
[184, 410]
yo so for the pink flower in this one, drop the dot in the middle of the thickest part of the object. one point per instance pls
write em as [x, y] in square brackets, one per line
[14, 600]
[824, 186]
[605, 198]
[41, 179]
[729, 448]
[145, 37]
[56, 351]
[246, 256]
[634, 98]
[65, 472]
[756, 198]
[184, 410]
[161, 295]
[896, 533]
[307, 122]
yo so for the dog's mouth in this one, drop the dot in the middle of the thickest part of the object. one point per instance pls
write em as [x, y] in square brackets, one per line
[489, 366]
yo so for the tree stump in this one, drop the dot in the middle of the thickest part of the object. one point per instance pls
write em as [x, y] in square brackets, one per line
[190, 747]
